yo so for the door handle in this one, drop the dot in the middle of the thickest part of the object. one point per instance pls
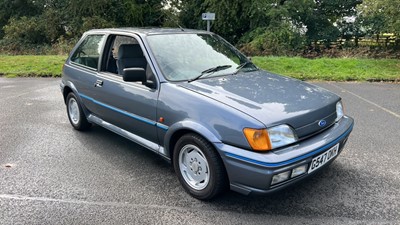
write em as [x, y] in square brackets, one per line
[99, 83]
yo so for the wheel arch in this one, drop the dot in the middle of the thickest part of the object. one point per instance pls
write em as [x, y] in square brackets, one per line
[213, 173]
[70, 87]
[177, 130]
[66, 91]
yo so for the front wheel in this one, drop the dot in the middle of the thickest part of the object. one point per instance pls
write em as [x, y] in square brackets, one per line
[199, 168]
[75, 113]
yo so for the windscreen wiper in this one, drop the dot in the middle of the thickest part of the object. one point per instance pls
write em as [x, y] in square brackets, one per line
[210, 70]
[241, 66]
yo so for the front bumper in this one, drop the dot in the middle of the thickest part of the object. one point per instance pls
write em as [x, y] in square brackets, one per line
[252, 172]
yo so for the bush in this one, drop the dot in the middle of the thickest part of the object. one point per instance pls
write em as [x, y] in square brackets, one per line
[31, 35]
[274, 40]
[60, 47]
[88, 23]
[25, 31]
[22, 34]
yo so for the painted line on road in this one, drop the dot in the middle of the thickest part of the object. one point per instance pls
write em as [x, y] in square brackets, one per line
[72, 201]
[95, 203]
[368, 101]
[284, 219]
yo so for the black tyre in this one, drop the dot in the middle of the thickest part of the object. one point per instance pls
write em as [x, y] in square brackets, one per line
[75, 113]
[199, 168]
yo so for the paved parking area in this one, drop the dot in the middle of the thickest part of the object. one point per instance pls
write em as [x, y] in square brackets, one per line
[52, 174]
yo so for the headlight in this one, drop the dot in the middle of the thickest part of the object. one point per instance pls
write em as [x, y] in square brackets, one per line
[267, 139]
[281, 135]
[339, 111]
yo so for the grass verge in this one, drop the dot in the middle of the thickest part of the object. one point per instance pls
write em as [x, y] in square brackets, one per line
[31, 65]
[330, 69]
[333, 69]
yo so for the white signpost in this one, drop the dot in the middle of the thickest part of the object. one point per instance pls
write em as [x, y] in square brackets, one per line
[208, 16]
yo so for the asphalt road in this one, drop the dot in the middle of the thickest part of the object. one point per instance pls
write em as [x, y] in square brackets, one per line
[52, 174]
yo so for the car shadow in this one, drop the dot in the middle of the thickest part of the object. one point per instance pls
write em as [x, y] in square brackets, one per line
[327, 193]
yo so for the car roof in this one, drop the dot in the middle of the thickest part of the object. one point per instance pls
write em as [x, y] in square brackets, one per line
[147, 30]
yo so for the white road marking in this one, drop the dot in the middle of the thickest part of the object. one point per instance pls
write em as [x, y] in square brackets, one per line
[282, 219]
[72, 201]
[368, 101]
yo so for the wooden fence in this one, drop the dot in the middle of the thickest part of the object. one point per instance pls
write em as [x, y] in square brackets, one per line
[382, 41]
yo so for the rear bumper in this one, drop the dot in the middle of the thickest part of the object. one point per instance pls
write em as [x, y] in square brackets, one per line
[252, 172]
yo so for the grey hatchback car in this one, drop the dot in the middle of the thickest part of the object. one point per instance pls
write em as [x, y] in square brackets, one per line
[195, 100]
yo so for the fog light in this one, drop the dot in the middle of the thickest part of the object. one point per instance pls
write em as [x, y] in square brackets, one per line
[280, 177]
[299, 171]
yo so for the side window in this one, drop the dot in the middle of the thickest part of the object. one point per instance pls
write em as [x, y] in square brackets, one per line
[124, 52]
[88, 53]
[120, 40]
[111, 52]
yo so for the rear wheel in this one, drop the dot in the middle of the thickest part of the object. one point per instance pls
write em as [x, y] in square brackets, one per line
[199, 168]
[75, 113]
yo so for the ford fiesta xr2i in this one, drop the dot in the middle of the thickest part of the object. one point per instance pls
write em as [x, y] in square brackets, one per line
[195, 100]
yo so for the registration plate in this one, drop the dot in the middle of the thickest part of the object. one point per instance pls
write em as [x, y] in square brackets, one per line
[322, 159]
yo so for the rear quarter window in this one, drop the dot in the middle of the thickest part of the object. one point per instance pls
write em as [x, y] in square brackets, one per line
[88, 52]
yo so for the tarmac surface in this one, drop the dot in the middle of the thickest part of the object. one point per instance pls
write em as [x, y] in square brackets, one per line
[53, 174]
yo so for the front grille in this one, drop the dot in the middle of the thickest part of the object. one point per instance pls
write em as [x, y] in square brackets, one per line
[314, 127]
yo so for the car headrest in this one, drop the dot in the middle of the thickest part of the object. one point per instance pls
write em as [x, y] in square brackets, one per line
[130, 51]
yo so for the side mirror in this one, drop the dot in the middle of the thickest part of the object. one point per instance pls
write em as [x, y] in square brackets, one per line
[150, 84]
[134, 74]
[249, 58]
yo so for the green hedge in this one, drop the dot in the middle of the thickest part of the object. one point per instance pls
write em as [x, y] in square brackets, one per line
[330, 69]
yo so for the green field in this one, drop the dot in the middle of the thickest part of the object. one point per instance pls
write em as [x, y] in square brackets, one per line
[331, 69]
[31, 65]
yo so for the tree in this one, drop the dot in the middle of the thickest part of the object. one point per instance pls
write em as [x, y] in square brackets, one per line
[236, 18]
[190, 13]
[381, 15]
[319, 16]
[48, 22]
[16, 9]
[351, 28]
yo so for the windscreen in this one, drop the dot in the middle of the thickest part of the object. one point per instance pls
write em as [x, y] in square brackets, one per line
[187, 56]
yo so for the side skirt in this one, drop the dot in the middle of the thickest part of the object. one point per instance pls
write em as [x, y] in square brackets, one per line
[128, 135]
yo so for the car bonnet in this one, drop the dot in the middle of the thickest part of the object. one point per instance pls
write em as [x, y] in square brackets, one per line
[272, 99]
